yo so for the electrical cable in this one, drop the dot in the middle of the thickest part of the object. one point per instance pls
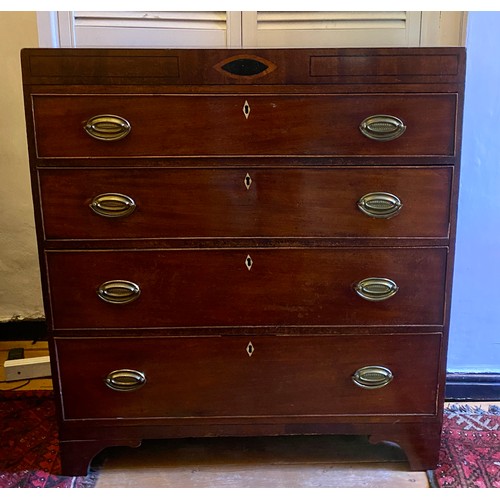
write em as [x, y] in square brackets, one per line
[13, 388]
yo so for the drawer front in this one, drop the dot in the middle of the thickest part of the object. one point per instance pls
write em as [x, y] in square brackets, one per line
[216, 377]
[182, 288]
[239, 125]
[179, 203]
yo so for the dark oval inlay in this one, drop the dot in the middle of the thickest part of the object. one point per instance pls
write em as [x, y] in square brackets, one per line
[245, 67]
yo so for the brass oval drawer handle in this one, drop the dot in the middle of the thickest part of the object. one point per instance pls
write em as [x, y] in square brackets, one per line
[125, 380]
[380, 205]
[382, 127]
[113, 205]
[376, 289]
[107, 127]
[119, 292]
[372, 377]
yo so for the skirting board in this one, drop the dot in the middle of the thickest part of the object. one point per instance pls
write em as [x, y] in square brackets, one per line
[472, 387]
[23, 330]
[459, 386]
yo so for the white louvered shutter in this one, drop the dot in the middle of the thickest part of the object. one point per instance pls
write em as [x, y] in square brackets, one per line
[251, 29]
[331, 29]
[149, 29]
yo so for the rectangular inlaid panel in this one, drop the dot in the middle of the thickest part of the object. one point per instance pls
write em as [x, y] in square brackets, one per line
[388, 65]
[111, 65]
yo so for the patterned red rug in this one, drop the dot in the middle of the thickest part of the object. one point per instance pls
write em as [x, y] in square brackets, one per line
[470, 449]
[29, 448]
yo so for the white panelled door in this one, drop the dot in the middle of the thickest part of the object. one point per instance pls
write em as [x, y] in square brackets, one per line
[212, 29]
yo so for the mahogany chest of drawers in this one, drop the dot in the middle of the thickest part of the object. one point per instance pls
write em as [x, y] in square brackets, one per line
[245, 242]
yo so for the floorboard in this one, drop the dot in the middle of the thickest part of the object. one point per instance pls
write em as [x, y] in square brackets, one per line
[263, 462]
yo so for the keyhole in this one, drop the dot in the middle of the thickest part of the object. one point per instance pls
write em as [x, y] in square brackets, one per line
[246, 109]
[248, 181]
[249, 262]
[250, 349]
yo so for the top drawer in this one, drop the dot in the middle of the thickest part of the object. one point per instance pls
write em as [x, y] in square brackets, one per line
[83, 126]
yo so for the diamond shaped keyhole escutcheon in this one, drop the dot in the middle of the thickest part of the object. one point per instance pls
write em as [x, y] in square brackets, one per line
[246, 109]
[250, 349]
[249, 262]
[248, 181]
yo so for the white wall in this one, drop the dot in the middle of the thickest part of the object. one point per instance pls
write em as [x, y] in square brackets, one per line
[20, 294]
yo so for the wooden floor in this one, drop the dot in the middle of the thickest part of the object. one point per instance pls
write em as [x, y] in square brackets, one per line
[274, 462]
[263, 462]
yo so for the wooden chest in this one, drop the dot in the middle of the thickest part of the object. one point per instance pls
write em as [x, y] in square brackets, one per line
[246, 242]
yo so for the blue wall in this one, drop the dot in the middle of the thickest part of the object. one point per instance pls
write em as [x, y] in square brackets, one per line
[475, 315]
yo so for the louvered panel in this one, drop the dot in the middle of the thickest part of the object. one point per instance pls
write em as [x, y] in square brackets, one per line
[150, 29]
[331, 20]
[331, 29]
[166, 20]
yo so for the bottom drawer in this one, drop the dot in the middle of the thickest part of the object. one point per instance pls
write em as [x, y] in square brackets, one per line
[240, 376]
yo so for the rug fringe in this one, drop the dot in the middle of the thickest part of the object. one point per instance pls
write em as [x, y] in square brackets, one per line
[466, 408]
